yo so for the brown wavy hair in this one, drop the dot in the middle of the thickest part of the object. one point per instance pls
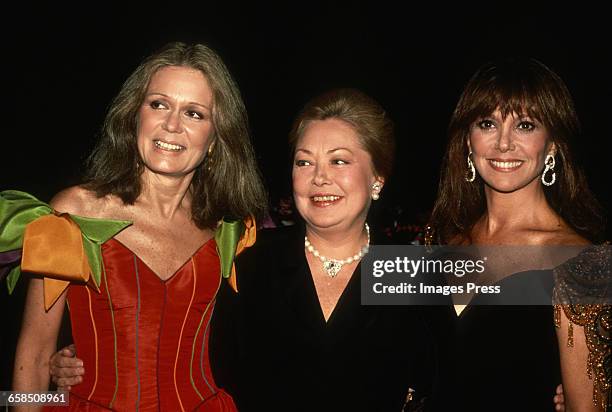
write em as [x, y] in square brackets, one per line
[521, 86]
[229, 184]
[371, 122]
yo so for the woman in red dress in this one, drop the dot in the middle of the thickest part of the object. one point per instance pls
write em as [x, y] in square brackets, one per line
[174, 158]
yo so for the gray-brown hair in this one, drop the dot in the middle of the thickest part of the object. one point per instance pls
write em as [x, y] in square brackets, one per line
[229, 186]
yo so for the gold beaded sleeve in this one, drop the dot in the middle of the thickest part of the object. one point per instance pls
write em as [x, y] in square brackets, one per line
[582, 291]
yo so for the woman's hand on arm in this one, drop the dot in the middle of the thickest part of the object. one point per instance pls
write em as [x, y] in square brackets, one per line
[37, 341]
[65, 368]
[559, 399]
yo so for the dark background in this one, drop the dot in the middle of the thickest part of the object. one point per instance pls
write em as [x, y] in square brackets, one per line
[63, 66]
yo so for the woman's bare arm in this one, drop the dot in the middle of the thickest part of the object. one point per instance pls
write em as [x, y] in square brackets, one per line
[37, 341]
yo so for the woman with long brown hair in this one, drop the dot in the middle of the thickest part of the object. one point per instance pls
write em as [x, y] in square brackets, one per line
[509, 178]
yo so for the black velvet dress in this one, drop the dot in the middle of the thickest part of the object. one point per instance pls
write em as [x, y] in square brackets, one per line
[273, 350]
[506, 357]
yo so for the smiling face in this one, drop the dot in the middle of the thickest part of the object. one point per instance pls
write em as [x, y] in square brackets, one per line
[175, 121]
[509, 153]
[332, 176]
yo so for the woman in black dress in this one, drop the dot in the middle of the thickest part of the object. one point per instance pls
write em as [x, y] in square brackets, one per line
[509, 179]
[301, 338]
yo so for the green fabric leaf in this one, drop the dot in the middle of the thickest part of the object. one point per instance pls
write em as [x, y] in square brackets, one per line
[93, 251]
[17, 209]
[227, 238]
[99, 230]
[12, 278]
[95, 233]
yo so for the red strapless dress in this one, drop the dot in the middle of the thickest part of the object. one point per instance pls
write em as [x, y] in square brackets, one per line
[144, 341]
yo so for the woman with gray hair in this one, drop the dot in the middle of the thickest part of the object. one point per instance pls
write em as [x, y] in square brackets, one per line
[173, 160]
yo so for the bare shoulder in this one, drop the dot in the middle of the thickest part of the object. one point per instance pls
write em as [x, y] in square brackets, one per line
[78, 200]
[568, 237]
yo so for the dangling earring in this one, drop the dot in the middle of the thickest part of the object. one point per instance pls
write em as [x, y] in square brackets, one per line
[470, 174]
[550, 165]
[209, 158]
[376, 188]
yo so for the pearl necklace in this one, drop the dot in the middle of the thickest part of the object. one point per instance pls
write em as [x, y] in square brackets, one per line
[333, 266]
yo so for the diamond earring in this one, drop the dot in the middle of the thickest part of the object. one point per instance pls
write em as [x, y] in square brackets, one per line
[376, 188]
[470, 174]
[550, 166]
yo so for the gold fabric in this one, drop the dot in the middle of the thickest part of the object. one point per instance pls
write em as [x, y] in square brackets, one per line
[53, 246]
[247, 240]
[588, 273]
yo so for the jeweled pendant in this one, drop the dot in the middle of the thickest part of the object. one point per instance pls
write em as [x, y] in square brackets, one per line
[332, 267]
